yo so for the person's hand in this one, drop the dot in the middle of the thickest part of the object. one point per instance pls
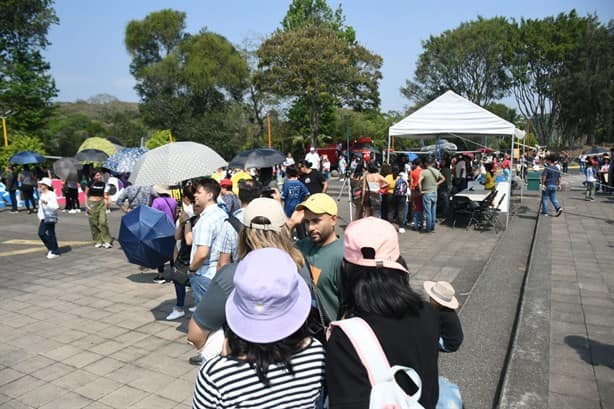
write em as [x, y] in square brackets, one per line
[44, 202]
[88, 210]
[296, 219]
[183, 217]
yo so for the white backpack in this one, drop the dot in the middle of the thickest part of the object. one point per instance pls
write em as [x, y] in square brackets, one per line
[385, 392]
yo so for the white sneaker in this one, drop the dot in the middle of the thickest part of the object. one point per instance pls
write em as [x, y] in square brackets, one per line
[72, 211]
[51, 255]
[108, 211]
[107, 245]
[175, 314]
[192, 309]
[98, 245]
[401, 230]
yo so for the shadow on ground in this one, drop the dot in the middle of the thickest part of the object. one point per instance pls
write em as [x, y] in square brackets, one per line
[592, 352]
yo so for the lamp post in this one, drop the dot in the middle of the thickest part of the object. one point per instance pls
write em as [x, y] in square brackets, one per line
[268, 126]
[4, 130]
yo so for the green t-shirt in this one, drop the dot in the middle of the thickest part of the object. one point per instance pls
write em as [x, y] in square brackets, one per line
[328, 260]
[429, 181]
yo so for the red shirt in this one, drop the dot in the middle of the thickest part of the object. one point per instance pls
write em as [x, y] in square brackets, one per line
[414, 176]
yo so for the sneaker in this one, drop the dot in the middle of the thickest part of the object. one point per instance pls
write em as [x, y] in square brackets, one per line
[592, 199]
[64, 211]
[51, 255]
[14, 211]
[159, 280]
[196, 360]
[545, 214]
[192, 309]
[401, 230]
[108, 211]
[107, 245]
[558, 212]
[175, 314]
[98, 245]
[72, 211]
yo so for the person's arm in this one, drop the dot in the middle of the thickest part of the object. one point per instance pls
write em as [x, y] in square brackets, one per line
[296, 219]
[420, 183]
[451, 331]
[52, 202]
[202, 252]
[210, 314]
[441, 179]
[324, 186]
[197, 335]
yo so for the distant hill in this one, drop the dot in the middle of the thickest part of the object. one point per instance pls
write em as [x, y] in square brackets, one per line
[99, 107]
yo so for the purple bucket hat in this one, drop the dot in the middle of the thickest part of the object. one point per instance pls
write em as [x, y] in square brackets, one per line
[270, 300]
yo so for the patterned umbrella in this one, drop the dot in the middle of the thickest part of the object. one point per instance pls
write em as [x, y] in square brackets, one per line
[257, 158]
[67, 168]
[124, 160]
[175, 162]
[26, 158]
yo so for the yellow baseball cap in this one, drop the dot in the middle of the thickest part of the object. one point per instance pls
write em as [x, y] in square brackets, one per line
[319, 203]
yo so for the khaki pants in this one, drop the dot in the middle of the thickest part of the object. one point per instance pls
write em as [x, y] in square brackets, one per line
[98, 222]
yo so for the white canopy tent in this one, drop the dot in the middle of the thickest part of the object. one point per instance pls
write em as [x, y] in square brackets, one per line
[452, 114]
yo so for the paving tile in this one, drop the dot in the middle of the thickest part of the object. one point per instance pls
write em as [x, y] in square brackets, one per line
[153, 402]
[8, 375]
[151, 381]
[97, 389]
[163, 364]
[21, 386]
[75, 379]
[53, 371]
[124, 397]
[69, 400]
[567, 385]
[15, 404]
[104, 366]
[129, 354]
[178, 389]
[563, 401]
[42, 395]
[126, 373]
[63, 352]
[82, 359]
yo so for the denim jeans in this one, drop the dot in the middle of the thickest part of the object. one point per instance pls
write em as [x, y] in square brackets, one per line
[550, 194]
[46, 232]
[591, 187]
[430, 209]
[180, 293]
[13, 196]
[199, 285]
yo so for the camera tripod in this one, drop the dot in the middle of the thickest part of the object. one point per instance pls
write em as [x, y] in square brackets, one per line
[346, 185]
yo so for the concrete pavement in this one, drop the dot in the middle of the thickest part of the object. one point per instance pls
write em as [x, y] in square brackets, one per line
[88, 329]
[563, 352]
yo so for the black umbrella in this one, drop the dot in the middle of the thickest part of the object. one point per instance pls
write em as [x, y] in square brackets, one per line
[147, 237]
[257, 158]
[596, 150]
[91, 155]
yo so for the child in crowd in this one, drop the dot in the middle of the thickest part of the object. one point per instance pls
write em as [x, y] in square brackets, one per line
[441, 296]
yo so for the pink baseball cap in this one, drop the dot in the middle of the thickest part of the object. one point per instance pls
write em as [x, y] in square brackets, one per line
[372, 242]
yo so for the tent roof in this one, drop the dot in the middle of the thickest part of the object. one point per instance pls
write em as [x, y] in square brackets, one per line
[451, 114]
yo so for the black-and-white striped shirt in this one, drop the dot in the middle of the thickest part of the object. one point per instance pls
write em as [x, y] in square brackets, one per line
[225, 382]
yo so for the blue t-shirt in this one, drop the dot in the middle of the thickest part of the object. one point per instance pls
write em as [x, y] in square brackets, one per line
[293, 193]
[551, 175]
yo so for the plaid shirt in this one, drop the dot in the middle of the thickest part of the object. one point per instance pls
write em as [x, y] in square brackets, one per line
[230, 237]
[206, 232]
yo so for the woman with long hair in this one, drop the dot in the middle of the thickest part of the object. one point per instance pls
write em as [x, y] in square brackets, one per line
[268, 345]
[375, 287]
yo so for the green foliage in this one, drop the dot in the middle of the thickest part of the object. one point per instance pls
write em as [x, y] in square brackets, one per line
[313, 64]
[504, 112]
[20, 142]
[187, 83]
[304, 13]
[159, 138]
[471, 60]
[26, 88]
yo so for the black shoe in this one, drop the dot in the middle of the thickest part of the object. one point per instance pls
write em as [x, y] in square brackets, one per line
[196, 360]
[558, 212]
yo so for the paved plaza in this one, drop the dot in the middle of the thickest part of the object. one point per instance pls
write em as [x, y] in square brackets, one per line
[87, 330]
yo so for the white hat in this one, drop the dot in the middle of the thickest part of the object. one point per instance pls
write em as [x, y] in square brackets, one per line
[46, 182]
[442, 292]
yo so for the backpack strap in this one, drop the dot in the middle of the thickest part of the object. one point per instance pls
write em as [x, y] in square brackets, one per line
[367, 347]
[234, 222]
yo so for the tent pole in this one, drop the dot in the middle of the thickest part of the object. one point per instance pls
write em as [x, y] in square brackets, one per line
[388, 150]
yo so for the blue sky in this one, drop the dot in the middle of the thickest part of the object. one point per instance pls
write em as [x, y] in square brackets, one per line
[88, 56]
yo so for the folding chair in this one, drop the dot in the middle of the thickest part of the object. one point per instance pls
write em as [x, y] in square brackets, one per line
[491, 215]
[479, 209]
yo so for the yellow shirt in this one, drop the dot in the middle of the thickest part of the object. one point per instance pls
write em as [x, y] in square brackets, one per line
[241, 175]
[489, 181]
[391, 182]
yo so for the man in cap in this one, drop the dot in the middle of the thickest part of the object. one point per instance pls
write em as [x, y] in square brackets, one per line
[322, 249]
[313, 158]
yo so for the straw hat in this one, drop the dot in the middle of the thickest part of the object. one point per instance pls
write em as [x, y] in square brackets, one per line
[442, 292]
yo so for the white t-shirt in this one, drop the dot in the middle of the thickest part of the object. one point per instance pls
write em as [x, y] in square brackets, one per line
[459, 170]
[314, 159]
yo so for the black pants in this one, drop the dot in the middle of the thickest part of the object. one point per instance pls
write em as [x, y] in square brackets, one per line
[28, 196]
[46, 232]
[13, 196]
[72, 199]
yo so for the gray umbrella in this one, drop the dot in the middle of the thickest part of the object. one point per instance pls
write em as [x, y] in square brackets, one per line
[66, 168]
[175, 162]
[257, 158]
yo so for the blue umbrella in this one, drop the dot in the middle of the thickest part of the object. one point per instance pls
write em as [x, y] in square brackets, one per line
[26, 158]
[412, 156]
[124, 160]
[147, 237]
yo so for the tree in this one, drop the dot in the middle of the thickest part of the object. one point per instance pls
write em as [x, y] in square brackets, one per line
[159, 138]
[471, 60]
[184, 80]
[20, 142]
[26, 88]
[303, 13]
[313, 64]
[541, 50]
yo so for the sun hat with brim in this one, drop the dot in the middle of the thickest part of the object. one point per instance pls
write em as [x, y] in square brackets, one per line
[162, 190]
[442, 292]
[270, 301]
[264, 213]
[46, 182]
[372, 242]
[319, 203]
